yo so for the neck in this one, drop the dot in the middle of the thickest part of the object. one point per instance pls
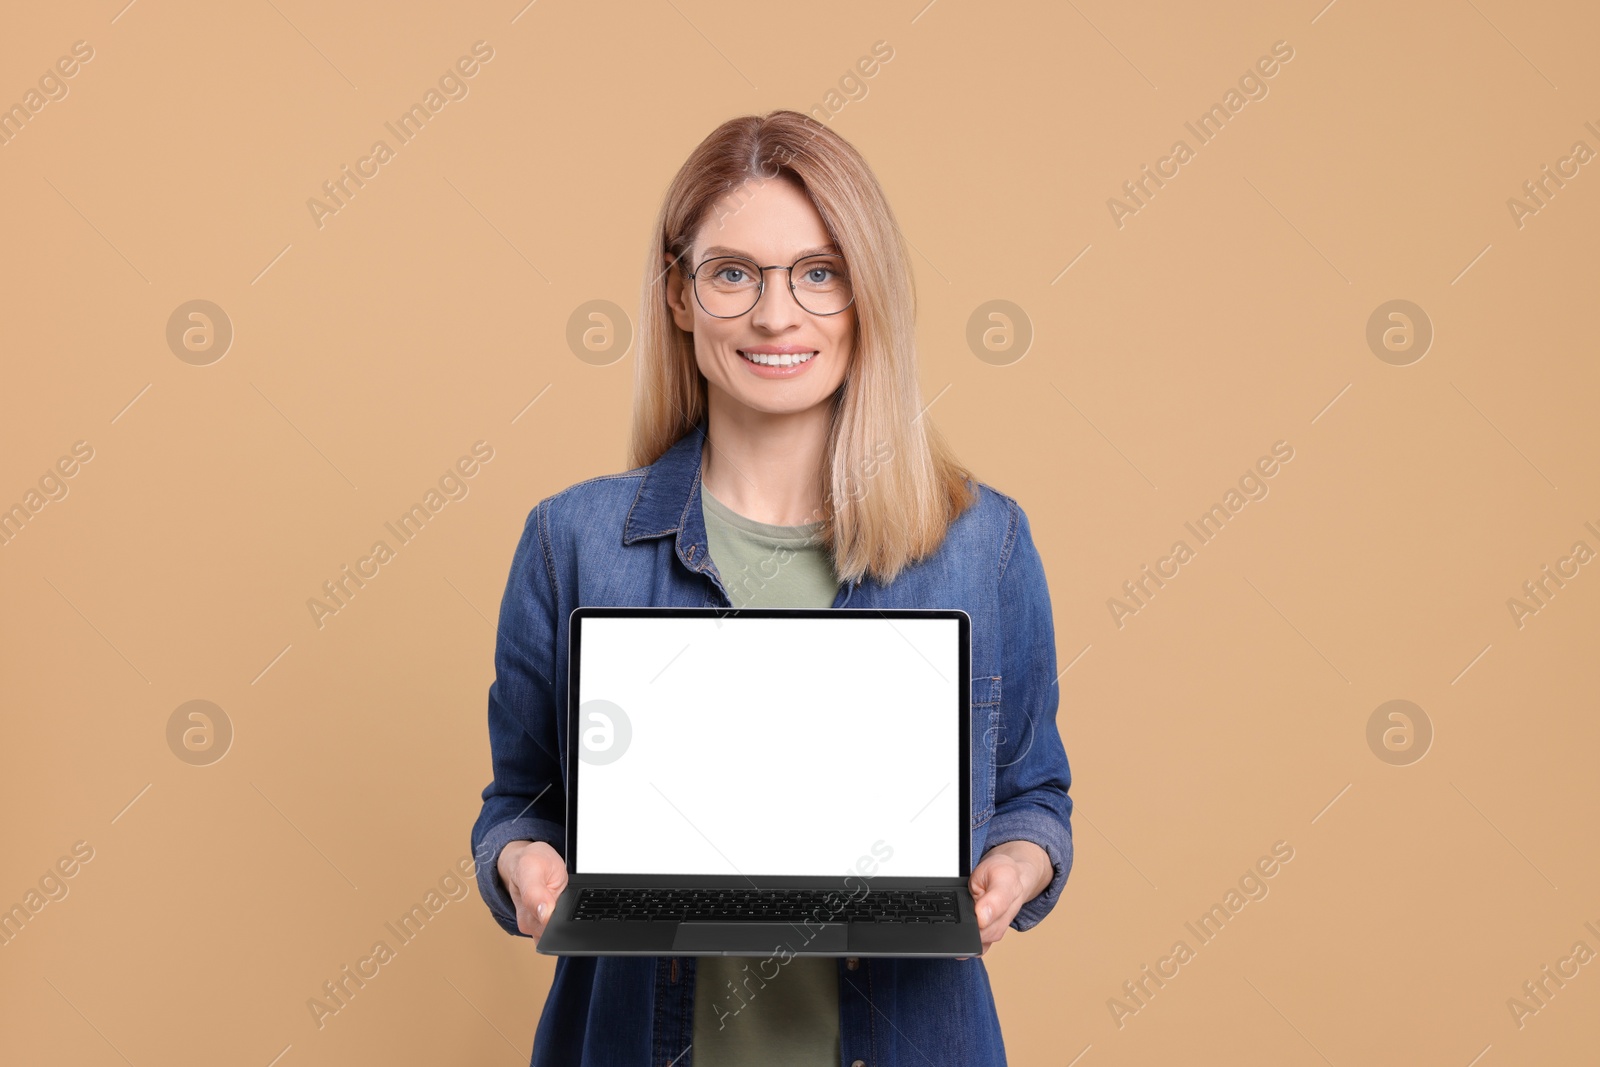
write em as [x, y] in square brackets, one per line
[765, 466]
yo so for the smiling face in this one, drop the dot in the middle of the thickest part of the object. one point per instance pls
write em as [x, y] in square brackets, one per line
[774, 223]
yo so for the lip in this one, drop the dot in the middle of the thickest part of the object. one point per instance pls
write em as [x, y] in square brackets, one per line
[791, 371]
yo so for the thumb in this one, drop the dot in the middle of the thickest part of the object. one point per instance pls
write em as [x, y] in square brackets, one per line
[528, 893]
[987, 882]
[543, 893]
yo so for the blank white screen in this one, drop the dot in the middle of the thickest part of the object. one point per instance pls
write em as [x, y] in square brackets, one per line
[771, 746]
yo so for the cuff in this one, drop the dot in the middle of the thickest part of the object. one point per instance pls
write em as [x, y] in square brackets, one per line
[1049, 834]
[490, 885]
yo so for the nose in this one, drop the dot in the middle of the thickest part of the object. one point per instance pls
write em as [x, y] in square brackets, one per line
[777, 309]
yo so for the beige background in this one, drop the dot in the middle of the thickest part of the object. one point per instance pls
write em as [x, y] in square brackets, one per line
[1229, 313]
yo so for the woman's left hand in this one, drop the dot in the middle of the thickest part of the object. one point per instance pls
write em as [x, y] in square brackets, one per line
[1009, 875]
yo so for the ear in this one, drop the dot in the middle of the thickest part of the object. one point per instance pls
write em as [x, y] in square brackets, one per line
[678, 296]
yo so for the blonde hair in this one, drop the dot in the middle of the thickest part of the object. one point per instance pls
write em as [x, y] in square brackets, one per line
[879, 512]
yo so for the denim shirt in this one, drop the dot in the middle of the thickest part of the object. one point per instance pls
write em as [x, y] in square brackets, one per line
[638, 539]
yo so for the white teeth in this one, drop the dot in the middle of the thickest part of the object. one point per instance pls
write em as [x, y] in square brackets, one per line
[784, 360]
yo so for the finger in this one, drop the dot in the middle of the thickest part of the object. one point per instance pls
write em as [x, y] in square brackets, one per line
[1003, 886]
[534, 912]
[978, 881]
[991, 906]
[1000, 918]
[996, 928]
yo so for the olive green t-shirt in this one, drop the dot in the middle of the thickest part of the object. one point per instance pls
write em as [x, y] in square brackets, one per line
[742, 1016]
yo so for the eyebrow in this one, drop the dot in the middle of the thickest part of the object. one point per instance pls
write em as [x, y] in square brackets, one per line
[724, 250]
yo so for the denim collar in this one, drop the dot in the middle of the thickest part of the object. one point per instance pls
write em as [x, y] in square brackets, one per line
[668, 502]
[669, 496]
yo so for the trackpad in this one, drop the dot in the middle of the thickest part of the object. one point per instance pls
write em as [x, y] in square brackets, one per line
[760, 937]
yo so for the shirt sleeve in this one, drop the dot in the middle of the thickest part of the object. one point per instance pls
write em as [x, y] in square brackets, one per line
[1032, 775]
[526, 800]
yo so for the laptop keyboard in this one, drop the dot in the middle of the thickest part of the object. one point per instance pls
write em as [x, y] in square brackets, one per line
[767, 905]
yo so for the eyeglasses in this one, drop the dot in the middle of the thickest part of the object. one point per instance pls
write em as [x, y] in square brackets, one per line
[729, 286]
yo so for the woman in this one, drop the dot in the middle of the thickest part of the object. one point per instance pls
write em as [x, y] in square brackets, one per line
[780, 459]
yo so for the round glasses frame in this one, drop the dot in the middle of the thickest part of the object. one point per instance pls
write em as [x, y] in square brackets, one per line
[761, 287]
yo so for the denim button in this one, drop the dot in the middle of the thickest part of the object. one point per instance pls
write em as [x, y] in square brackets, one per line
[851, 963]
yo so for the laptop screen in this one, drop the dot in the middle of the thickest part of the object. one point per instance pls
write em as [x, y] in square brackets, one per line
[773, 745]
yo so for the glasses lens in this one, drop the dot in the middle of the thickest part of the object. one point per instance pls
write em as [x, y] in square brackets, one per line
[728, 286]
[822, 285]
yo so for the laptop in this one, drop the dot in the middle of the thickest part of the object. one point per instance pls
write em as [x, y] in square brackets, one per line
[754, 781]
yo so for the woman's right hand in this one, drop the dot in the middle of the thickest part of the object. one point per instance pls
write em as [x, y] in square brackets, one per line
[534, 874]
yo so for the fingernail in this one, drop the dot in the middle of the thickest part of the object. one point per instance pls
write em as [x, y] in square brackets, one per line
[539, 911]
[983, 915]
